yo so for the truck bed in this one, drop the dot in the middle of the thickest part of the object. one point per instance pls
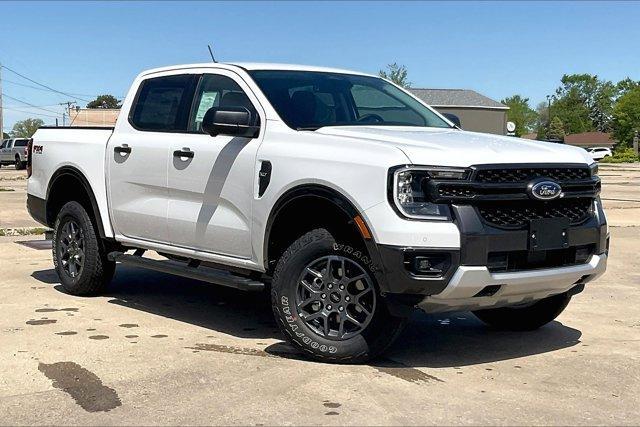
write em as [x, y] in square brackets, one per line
[56, 149]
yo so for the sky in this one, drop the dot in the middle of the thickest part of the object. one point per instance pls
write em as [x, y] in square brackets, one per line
[496, 48]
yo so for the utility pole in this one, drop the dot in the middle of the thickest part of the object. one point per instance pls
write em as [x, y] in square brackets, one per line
[68, 104]
[549, 113]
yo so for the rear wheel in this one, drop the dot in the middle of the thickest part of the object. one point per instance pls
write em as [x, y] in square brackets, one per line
[79, 256]
[327, 304]
[525, 318]
[19, 163]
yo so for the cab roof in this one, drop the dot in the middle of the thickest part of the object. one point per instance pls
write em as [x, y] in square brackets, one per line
[253, 66]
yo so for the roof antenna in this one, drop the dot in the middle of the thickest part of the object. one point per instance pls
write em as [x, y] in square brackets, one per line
[211, 53]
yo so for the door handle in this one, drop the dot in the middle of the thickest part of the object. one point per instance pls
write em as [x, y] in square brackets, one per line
[123, 149]
[185, 152]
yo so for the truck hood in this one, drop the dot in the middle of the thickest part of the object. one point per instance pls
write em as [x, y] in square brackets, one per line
[452, 147]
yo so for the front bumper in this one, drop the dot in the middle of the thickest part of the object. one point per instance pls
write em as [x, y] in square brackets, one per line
[465, 289]
[472, 280]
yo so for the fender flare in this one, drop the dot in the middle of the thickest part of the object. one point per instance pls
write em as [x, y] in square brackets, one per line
[318, 191]
[75, 173]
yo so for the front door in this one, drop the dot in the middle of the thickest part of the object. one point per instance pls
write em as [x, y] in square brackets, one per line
[211, 179]
[5, 151]
[138, 153]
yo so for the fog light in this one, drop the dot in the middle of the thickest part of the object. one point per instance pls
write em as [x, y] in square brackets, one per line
[582, 254]
[422, 263]
[432, 265]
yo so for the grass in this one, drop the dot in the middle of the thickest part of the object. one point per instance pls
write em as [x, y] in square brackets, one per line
[24, 231]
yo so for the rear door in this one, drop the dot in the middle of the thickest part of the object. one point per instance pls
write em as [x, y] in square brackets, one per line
[138, 155]
[211, 189]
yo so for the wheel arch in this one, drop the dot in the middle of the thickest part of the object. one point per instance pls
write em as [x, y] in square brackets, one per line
[82, 193]
[316, 195]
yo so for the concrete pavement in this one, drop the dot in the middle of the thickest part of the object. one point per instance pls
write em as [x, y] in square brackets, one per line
[163, 350]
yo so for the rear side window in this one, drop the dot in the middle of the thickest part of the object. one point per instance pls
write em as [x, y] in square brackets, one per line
[21, 143]
[163, 104]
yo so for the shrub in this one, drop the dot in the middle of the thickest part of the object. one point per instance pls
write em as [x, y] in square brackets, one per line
[623, 155]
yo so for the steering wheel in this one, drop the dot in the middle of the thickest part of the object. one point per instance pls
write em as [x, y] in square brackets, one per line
[370, 118]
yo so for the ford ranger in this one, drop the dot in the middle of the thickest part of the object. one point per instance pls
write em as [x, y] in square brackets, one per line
[341, 195]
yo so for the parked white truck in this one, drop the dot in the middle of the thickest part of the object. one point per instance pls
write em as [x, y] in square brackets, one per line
[344, 195]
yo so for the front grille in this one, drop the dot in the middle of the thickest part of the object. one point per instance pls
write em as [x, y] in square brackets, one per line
[501, 262]
[519, 214]
[526, 174]
[452, 191]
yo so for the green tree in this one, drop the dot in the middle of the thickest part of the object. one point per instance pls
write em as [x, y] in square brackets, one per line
[26, 128]
[626, 117]
[584, 103]
[104, 101]
[520, 113]
[5, 135]
[542, 121]
[626, 85]
[556, 130]
[397, 74]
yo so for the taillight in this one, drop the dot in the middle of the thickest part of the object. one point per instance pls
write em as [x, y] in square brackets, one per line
[28, 152]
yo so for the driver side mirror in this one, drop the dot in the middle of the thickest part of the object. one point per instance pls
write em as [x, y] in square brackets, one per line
[234, 121]
[453, 119]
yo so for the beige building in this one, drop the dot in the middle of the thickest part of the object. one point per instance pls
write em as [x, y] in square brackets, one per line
[477, 112]
[93, 117]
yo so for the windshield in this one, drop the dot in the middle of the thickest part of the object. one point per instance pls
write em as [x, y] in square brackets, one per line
[308, 100]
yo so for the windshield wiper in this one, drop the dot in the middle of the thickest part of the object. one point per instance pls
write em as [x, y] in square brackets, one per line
[313, 128]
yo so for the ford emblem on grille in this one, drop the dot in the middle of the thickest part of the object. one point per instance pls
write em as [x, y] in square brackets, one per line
[544, 190]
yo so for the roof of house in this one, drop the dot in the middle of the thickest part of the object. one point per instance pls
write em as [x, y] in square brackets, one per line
[590, 139]
[456, 98]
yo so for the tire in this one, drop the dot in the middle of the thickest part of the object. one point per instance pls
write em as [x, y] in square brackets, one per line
[19, 163]
[526, 318]
[322, 329]
[83, 269]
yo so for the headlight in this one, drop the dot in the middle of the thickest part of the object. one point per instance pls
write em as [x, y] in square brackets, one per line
[594, 168]
[409, 192]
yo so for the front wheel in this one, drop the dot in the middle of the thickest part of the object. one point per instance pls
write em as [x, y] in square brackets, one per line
[327, 304]
[79, 256]
[525, 318]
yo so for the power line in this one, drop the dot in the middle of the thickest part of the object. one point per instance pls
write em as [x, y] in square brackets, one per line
[30, 112]
[41, 84]
[42, 89]
[29, 104]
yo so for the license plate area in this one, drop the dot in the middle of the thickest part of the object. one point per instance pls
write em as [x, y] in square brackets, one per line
[548, 233]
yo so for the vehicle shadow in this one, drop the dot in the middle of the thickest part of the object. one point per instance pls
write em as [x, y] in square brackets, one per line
[429, 341]
[460, 339]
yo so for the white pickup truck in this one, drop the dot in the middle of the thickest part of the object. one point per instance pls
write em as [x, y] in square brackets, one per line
[343, 195]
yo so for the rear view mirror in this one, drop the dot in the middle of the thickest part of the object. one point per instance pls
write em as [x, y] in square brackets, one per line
[453, 119]
[234, 121]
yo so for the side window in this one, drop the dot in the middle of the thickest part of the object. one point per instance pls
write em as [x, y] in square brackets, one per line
[216, 91]
[163, 103]
[20, 143]
[4, 145]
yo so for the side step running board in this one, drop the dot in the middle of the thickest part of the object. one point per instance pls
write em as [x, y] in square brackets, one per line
[206, 274]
